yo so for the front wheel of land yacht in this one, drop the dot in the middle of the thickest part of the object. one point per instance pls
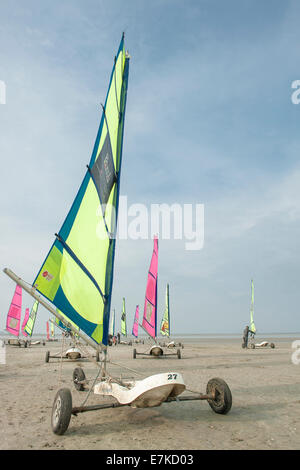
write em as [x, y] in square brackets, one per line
[47, 356]
[222, 401]
[97, 356]
[252, 346]
[134, 353]
[78, 377]
[272, 345]
[178, 354]
[61, 411]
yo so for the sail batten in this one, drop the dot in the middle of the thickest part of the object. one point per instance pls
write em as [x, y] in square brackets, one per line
[77, 273]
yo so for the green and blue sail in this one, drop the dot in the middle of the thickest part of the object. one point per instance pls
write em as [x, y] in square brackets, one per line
[252, 325]
[77, 273]
[31, 319]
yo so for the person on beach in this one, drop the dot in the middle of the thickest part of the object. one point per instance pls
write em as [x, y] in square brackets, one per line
[245, 337]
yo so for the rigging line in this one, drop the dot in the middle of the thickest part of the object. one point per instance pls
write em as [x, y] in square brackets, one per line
[81, 265]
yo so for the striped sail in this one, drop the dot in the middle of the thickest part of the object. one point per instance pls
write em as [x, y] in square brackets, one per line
[77, 273]
[150, 308]
[123, 320]
[13, 320]
[165, 323]
[31, 320]
[252, 325]
[135, 327]
[25, 322]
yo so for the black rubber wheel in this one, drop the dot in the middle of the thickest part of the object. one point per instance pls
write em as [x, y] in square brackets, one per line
[97, 356]
[178, 354]
[47, 356]
[252, 346]
[179, 344]
[61, 411]
[223, 399]
[78, 376]
[25, 344]
[272, 345]
[134, 353]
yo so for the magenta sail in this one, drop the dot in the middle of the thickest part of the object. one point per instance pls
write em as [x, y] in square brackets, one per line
[25, 321]
[14, 314]
[150, 308]
[135, 327]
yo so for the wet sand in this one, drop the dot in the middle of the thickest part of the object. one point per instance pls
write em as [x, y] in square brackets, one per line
[265, 387]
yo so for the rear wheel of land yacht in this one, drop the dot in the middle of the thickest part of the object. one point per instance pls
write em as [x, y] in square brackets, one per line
[178, 354]
[134, 353]
[61, 411]
[47, 356]
[222, 401]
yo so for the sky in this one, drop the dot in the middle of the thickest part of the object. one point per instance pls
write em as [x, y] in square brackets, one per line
[209, 120]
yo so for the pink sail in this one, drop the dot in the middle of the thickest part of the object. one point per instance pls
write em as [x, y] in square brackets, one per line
[14, 314]
[25, 321]
[47, 326]
[135, 327]
[150, 308]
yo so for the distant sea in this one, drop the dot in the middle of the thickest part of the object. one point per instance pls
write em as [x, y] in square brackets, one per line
[188, 337]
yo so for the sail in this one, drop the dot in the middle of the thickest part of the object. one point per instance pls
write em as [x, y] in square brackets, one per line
[47, 328]
[31, 320]
[52, 329]
[123, 320]
[112, 324]
[25, 321]
[252, 325]
[165, 323]
[77, 273]
[14, 314]
[150, 308]
[135, 327]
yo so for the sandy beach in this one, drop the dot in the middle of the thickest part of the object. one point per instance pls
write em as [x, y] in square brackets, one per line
[265, 387]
